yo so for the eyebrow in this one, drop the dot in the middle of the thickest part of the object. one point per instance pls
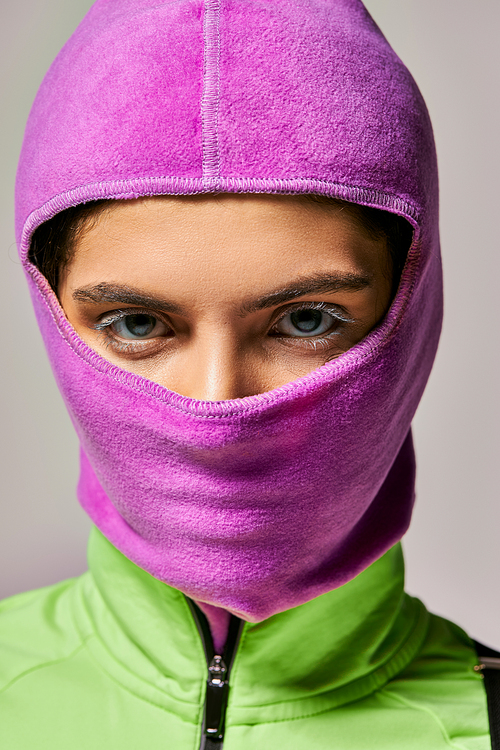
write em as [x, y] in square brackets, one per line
[322, 283]
[120, 294]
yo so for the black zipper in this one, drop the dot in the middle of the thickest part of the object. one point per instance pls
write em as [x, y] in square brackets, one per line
[219, 669]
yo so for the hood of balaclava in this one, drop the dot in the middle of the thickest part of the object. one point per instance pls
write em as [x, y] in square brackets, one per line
[261, 503]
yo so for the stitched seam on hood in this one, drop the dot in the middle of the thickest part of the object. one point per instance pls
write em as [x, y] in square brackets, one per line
[210, 96]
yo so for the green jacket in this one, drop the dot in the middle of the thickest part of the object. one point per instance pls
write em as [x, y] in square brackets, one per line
[113, 659]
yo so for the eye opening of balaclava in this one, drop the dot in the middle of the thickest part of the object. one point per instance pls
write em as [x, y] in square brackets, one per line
[53, 242]
[226, 501]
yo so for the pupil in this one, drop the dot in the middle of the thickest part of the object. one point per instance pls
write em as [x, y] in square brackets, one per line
[306, 320]
[140, 325]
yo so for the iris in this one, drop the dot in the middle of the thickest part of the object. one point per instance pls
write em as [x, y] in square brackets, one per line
[135, 326]
[306, 321]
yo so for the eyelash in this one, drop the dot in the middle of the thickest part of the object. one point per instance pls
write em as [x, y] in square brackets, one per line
[117, 315]
[323, 341]
[332, 310]
[132, 346]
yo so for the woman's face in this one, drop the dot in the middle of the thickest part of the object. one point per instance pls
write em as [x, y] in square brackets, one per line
[221, 297]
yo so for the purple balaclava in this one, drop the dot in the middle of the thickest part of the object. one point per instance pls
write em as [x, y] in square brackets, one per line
[258, 504]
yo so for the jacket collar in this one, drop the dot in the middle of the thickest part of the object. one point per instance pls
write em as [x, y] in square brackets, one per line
[338, 647]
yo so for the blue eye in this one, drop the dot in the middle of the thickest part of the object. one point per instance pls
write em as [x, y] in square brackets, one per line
[138, 326]
[306, 322]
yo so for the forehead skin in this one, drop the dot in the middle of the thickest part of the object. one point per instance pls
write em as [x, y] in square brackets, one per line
[269, 234]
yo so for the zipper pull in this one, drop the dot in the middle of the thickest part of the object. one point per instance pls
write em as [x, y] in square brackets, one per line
[216, 700]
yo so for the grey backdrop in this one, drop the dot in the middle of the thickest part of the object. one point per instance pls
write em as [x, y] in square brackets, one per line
[452, 549]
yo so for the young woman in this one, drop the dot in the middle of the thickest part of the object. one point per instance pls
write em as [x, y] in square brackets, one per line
[227, 212]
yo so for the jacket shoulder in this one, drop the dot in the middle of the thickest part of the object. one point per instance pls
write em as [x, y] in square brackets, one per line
[441, 684]
[37, 628]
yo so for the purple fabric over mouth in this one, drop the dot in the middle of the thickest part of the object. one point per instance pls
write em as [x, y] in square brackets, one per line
[258, 504]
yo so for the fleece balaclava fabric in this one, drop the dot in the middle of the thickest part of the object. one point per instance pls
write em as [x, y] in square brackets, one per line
[258, 504]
